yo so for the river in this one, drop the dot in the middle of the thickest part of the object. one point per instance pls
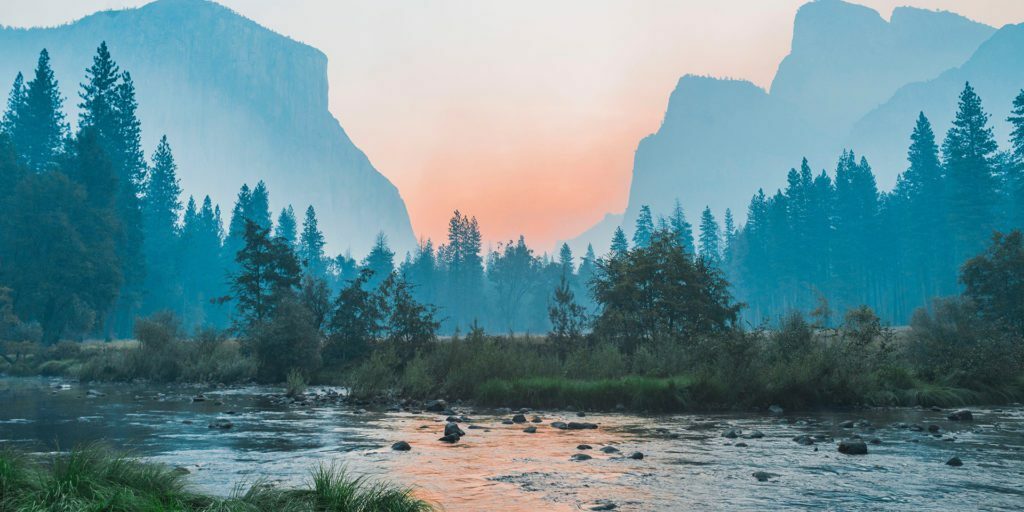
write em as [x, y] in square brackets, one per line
[687, 462]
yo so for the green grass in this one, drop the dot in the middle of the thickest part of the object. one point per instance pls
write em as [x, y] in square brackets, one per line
[93, 479]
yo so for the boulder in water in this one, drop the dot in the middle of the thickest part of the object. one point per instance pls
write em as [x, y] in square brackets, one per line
[637, 456]
[452, 428]
[580, 456]
[573, 425]
[519, 418]
[961, 415]
[221, 423]
[955, 461]
[401, 446]
[763, 476]
[853, 447]
[435, 406]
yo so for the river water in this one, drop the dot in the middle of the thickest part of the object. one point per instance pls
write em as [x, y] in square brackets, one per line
[687, 462]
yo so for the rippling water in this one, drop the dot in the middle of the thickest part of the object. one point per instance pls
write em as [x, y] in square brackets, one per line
[687, 463]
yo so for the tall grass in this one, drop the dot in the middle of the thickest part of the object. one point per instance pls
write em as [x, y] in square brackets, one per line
[94, 479]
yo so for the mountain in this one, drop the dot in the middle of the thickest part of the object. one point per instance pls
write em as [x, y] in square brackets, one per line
[721, 140]
[996, 71]
[238, 102]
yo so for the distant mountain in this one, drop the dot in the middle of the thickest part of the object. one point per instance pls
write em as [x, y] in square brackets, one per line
[721, 140]
[238, 102]
[996, 71]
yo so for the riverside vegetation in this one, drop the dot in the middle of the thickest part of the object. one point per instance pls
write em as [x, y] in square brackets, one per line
[666, 340]
[91, 478]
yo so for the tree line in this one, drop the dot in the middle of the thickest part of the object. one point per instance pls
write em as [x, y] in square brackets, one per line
[95, 235]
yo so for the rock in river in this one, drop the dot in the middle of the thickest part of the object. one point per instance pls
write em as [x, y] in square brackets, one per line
[401, 446]
[853, 447]
[452, 428]
[435, 406]
[732, 433]
[574, 425]
[763, 476]
[519, 418]
[450, 438]
[530, 430]
[955, 461]
[583, 447]
[221, 424]
[637, 456]
[609, 449]
[580, 456]
[561, 425]
[961, 415]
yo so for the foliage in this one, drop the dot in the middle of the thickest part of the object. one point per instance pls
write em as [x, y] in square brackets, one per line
[994, 282]
[657, 292]
[92, 478]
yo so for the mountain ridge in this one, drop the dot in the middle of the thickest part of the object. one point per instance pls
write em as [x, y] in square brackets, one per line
[239, 102]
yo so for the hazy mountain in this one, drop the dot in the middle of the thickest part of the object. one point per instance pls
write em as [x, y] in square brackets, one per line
[721, 140]
[238, 102]
[996, 71]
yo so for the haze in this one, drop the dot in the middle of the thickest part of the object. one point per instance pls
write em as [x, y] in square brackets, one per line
[525, 114]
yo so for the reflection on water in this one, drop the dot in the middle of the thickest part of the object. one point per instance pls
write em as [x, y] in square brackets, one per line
[687, 463]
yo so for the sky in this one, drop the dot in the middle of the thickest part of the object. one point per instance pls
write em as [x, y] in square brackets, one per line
[524, 113]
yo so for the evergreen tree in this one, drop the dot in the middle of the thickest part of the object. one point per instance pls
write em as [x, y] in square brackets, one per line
[619, 244]
[1014, 182]
[682, 229]
[730, 237]
[258, 209]
[587, 266]
[15, 104]
[644, 227]
[921, 189]
[268, 274]
[565, 261]
[287, 227]
[710, 250]
[311, 245]
[40, 130]
[380, 261]
[967, 152]
[161, 207]
[464, 270]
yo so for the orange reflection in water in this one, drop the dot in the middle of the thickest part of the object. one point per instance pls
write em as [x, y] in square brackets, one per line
[501, 467]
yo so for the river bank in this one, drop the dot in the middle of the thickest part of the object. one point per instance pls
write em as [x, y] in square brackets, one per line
[690, 460]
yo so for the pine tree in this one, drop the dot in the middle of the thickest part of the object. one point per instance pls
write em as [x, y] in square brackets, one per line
[311, 245]
[565, 261]
[161, 206]
[710, 250]
[1014, 183]
[967, 152]
[40, 129]
[644, 227]
[268, 275]
[729, 238]
[287, 227]
[380, 261]
[619, 244]
[921, 188]
[258, 209]
[682, 229]
[15, 105]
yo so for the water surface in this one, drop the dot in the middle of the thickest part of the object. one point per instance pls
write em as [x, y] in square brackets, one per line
[687, 463]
